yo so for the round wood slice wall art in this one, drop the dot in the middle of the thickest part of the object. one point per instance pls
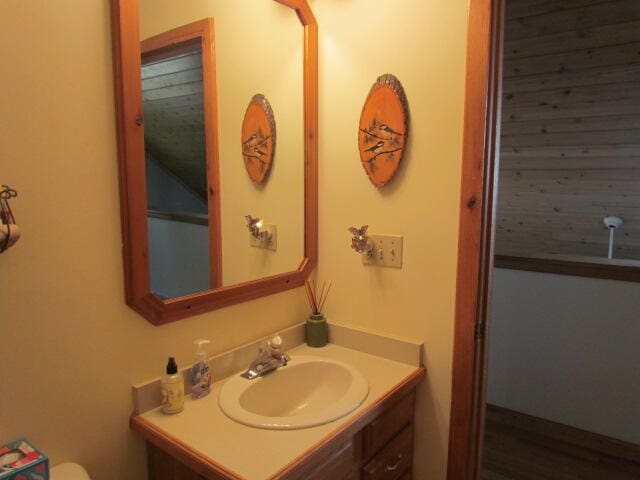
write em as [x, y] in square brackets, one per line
[383, 130]
[258, 138]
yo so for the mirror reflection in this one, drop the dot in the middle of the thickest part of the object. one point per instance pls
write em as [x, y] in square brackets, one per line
[176, 169]
[199, 191]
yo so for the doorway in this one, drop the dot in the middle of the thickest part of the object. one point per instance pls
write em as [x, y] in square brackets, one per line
[569, 102]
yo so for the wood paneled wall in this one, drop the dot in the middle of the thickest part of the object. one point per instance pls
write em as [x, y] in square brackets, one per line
[570, 140]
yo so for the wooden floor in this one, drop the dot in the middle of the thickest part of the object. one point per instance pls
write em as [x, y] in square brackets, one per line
[520, 447]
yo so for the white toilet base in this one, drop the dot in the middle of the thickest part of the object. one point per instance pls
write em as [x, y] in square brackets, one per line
[68, 471]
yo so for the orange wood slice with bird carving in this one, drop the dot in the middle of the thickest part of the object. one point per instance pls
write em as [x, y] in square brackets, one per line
[258, 138]
[383, 130]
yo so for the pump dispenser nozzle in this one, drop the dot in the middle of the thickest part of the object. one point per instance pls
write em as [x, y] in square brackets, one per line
[172, 366]
[200, 353]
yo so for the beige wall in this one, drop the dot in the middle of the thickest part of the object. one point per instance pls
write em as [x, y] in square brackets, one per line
[423, 43]
[71, 348]
[549, 355]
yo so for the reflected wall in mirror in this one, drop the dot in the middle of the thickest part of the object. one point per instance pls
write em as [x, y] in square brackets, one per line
[184, 187]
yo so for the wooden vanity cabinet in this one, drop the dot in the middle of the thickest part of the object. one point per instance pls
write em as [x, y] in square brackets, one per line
[162, 466]
[382, 449]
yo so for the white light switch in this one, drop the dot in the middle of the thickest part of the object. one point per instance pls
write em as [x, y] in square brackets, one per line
[386, 251]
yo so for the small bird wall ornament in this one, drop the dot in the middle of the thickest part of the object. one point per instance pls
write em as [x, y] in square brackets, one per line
[387, 129]
[258, 138]
[376, 148]
[383, 130]
[9, 231]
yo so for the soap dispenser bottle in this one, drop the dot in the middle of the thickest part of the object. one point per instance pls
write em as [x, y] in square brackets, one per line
[200, 372]
[172, 389]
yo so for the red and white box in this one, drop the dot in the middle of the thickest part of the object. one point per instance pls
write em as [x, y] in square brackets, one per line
[22, 461]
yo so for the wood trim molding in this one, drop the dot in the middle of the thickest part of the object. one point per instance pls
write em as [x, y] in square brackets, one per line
[213, 158]
[625, 273]
[302, 8]
[475, 247]
[600, 445]
[126, 32]
[310, 75]
[130, 133]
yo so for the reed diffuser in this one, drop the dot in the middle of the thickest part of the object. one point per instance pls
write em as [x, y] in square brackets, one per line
[316, 329]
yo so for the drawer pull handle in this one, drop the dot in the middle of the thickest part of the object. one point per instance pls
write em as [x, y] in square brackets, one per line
[391, 468]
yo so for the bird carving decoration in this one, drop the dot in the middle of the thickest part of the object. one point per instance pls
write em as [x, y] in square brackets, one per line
[258, 138]
[383, 130]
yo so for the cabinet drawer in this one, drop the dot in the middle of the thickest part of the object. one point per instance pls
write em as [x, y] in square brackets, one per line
[385, 427]
[394, 460]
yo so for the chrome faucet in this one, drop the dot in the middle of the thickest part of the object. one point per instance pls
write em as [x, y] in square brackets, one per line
[269, 359]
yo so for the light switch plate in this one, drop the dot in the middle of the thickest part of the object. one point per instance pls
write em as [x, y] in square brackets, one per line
[259, 243]
[386, 251]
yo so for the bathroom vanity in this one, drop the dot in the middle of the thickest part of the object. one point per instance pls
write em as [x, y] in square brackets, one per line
[373, 442]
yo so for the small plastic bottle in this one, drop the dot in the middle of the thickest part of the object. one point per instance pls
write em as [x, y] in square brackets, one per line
[172, 389]
[200, 372]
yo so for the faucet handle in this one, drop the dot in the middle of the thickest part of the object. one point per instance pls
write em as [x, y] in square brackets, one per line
[275, 346]
[275, 343]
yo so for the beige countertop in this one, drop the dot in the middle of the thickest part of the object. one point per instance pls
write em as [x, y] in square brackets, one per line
[257, 454]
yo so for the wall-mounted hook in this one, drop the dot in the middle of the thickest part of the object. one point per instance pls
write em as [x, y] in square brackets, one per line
[256, 227]
[253, 225]
[376, 249]
[360, 241]
[9, 231]
[262, 235]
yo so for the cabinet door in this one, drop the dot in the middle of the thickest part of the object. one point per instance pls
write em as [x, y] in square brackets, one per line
[379, 432]
[162, 466]
[394, 460]
[338, 466]
[184, 473]
[159, 464]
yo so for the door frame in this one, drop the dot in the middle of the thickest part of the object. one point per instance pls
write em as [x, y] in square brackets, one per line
[476, 236]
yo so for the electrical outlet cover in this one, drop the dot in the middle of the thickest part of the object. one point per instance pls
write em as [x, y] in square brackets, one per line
[387, 251]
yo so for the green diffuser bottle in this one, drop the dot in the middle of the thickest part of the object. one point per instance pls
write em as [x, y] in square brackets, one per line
[316, 329]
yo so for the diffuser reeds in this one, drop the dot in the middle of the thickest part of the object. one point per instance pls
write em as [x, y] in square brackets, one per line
[316, 302]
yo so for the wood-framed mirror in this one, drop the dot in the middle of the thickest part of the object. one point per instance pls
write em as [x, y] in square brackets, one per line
[181, 88]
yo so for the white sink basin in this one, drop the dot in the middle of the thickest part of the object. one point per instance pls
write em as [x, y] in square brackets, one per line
[309, 391]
